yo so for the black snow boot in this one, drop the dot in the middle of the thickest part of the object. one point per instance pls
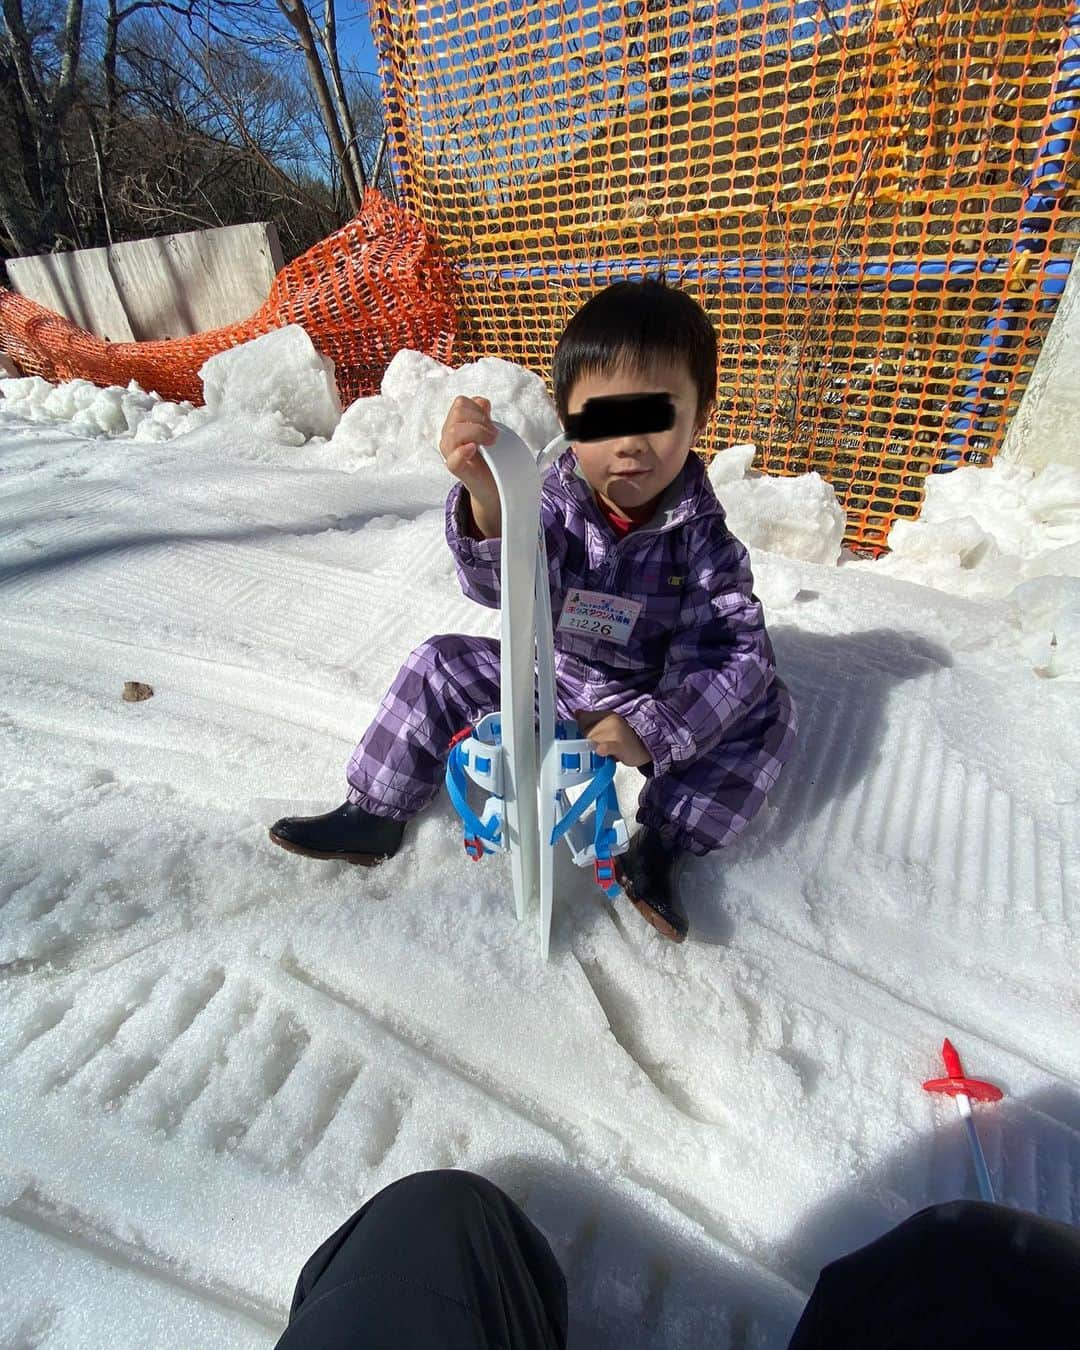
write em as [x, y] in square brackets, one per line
[647, 872]
[347, 834]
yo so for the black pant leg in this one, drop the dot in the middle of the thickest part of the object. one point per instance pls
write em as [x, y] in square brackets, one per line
[964, 1275]
[439, 1258]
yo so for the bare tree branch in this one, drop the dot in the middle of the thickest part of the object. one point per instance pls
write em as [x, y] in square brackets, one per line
[297, 15]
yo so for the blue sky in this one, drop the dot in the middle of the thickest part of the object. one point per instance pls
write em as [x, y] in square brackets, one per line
[354, 37]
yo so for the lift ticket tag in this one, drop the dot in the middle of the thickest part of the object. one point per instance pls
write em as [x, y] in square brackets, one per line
[593, 614]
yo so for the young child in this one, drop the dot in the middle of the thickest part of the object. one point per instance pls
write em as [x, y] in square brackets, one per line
[689, 694]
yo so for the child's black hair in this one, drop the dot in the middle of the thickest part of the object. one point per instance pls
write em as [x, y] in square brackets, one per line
[636, 324]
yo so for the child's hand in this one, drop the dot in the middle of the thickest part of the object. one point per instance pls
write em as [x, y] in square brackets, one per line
[468, 425]
[612, 735]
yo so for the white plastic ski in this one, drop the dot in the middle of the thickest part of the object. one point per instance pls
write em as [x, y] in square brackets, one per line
[545, 677]
[525, 812]
[549, 750]
[517, 476]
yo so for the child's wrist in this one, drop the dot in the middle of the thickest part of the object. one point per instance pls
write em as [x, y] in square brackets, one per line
[486, 518]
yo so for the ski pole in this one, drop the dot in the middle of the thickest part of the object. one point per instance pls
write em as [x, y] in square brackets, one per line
[963, 1091]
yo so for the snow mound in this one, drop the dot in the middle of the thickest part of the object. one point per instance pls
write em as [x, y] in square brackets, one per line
[1002, 532]
[400, 426]
[24, 396]
[91, 411]
[1046, 613]
[279, 379]
[984, 530]
[278, 385]
[798, 517]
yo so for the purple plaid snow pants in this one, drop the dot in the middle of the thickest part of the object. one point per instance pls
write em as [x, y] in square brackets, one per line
[450, 682]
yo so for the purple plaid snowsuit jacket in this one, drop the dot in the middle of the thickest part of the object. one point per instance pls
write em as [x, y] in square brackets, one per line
[695, 679]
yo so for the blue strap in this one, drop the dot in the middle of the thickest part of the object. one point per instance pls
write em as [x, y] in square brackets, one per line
[602, 780]
[602, 841]
[456, 786]
[607, 809]
[605, 834]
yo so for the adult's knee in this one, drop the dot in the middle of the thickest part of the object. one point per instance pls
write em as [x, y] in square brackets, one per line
[962, 1274]
[443, 1189]
[944, 1226]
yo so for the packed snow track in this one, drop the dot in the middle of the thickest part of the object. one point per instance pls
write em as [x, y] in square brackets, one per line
[213, 1051]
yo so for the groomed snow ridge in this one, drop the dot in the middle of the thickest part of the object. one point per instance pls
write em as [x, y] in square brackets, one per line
[213, 1051]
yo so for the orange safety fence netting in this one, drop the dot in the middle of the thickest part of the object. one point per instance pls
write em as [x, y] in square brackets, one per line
[373, 287]
[875, 201]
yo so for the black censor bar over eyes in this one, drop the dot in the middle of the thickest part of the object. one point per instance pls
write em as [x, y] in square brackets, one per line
[602, 419]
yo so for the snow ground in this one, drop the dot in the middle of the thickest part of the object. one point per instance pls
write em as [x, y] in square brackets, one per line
[213, 1050]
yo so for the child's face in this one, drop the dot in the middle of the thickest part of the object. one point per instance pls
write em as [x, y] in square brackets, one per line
[630, 472]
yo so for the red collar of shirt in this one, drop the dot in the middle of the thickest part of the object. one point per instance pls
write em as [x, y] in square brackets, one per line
[622, 525]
